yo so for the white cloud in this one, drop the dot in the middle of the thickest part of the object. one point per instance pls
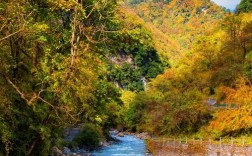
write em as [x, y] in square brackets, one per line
[230, 4]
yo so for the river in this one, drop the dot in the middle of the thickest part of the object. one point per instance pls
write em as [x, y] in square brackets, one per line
[126, 146]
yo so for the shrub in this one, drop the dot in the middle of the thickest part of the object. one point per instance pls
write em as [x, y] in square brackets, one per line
[89, 137]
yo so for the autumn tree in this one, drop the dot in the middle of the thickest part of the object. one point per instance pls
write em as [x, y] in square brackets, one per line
[237, 120]
[51, 72]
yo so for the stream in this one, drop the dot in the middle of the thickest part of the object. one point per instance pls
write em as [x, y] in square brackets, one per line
[128, 145]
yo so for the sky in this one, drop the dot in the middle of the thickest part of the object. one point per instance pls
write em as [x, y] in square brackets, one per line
[229, 4]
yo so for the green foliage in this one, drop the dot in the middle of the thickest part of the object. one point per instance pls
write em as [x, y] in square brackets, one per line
[137, 56]
[127, 77]
[135, 113]
[89, 137]
[244, 6]
[132, 2]
[51, 74]
[148, 62]
[6, 136]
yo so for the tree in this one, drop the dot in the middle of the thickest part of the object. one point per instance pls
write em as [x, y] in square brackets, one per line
[50, 70]
[244, 6]
[235, 121]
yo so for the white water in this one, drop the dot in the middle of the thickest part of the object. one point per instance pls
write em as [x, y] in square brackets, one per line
[127, 146]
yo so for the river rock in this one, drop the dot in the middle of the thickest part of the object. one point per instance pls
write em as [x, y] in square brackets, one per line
[121, 134]
[56, 151]
[128, 133]
[148, 154]
[106, 143]
[143, 135]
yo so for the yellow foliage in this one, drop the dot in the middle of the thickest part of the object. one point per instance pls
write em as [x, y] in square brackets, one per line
[63, 4]
[127, 97]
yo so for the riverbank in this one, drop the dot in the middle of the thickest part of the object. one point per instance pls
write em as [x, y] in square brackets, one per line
[120, 143]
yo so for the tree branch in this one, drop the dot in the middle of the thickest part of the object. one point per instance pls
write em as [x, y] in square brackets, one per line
[10, 35]
[17, 89]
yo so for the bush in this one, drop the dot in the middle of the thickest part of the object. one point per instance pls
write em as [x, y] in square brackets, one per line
[89, 137]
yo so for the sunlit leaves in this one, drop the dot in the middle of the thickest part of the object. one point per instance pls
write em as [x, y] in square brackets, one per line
[239, 118]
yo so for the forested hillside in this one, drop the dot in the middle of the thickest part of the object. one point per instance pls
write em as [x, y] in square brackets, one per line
[179, 21]
[142, 65]
[135, 58]
[214, 64]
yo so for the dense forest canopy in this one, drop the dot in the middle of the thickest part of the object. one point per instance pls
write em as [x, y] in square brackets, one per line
[177, 23]
[141, 65]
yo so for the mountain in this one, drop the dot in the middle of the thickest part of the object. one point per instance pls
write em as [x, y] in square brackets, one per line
[156, 35]
[177, 23]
